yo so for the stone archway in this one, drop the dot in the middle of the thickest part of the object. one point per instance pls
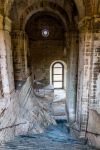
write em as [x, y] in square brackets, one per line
[70, 37]
[43, 6]
[50, 7]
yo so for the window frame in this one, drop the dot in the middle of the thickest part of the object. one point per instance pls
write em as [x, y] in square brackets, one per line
[53, 74]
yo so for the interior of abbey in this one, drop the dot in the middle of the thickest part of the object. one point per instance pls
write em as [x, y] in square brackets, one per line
[50, 74]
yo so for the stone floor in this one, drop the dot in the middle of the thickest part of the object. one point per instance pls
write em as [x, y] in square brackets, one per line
[54, 138]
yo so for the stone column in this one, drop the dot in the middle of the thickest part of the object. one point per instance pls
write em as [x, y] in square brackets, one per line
[94, 95]
[6, 56]
[20, 45]
[84, 72]
[72, 69]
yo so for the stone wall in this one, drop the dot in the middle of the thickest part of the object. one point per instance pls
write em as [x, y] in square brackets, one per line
[94, 95]
[88, 99]
[95, 74]
[93, 130]
[43, 54]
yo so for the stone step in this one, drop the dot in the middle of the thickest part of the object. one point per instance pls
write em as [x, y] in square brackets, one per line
[59, 113]
[63, 117]
[59, 108]
[59, 101]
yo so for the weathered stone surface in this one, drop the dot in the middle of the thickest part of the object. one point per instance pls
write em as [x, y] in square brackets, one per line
[94, 140]
[94, 128]
[6, 67]
[94, 122]
[25, 113]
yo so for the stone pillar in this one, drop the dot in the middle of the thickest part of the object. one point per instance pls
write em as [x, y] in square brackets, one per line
[72, 69]
[84, 72]
[94, 95]
[20, 45]
[6, 56]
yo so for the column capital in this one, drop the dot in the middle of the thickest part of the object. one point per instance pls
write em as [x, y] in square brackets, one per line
[85, 24]
[5, 23]
[89, 24]
[19, 33]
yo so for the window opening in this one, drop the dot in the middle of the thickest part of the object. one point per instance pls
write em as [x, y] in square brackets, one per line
[58, 75]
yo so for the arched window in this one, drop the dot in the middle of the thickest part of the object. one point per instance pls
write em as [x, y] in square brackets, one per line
[58, 75]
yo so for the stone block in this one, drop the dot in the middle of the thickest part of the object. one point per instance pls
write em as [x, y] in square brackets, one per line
[94, 122]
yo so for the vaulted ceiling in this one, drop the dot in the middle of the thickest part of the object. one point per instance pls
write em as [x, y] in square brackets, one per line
[65, 9]
[73, 8]
[83, 6]
[42, 21]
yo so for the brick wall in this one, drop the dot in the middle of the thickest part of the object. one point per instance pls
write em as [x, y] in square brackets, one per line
[95, 74]
[42, 54]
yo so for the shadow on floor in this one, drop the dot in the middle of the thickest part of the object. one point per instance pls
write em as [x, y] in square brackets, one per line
[55, 137]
